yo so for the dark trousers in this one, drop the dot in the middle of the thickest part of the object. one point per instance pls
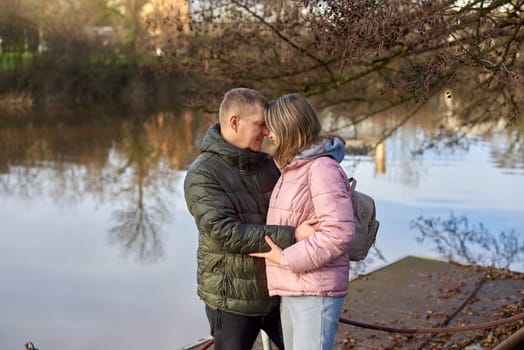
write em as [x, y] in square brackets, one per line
[237, 332]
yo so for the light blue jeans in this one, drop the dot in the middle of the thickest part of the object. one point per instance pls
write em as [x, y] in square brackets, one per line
[309, 322]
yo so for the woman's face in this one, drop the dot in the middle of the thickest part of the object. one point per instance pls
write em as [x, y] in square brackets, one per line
[273, 137]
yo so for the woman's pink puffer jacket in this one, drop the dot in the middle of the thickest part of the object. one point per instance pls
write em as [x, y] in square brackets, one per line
[319, 264]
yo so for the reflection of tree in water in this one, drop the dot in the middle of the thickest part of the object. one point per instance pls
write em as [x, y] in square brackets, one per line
[443, 139]
[144, 177]
[456, 239]
[126, 164]
[508, 152]
[138, 230]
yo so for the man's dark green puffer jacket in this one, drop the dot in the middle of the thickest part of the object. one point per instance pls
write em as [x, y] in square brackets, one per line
[227, 191]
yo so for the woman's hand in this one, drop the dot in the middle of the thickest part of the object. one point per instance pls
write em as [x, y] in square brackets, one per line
[274, 255]
[306, 229]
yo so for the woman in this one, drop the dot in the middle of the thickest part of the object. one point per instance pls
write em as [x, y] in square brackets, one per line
[312, 275]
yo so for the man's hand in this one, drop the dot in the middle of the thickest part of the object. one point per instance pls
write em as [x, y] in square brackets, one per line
[273, 255]
[306, 229]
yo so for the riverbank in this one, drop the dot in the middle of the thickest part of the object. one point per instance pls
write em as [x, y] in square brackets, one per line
[67, 79]
[419, 294]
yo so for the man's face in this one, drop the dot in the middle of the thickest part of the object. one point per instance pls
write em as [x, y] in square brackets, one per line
[252, 129]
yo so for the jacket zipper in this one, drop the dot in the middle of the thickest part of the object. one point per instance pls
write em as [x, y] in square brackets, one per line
[224, 289]
[280, 186]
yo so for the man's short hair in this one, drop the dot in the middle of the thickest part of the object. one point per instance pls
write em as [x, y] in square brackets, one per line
[236, 99]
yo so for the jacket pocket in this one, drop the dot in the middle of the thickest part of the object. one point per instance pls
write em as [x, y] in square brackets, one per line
[226, 286]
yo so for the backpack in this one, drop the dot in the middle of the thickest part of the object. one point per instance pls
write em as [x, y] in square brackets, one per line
[366, 223]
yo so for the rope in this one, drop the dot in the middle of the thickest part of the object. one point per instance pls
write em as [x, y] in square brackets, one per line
[207, 344]
[446, 322]
[436, 329]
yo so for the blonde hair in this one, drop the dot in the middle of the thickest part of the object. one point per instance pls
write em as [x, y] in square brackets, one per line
[295, 124]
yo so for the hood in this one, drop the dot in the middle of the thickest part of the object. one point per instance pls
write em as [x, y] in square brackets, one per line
[333, 148]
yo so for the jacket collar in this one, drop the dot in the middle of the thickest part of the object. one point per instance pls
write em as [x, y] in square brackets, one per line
[213, 142]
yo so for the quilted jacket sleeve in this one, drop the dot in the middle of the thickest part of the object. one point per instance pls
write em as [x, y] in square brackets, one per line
[217, 217]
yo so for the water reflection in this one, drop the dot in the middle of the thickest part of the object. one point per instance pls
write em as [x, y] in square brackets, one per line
[458, 239]
[508, 150]
[129, 163]
[137, 176]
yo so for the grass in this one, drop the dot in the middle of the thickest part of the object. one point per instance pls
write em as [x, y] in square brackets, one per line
[76, 77]
[10, 61]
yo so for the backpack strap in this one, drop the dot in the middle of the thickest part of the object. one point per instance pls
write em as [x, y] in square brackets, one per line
[352, 183]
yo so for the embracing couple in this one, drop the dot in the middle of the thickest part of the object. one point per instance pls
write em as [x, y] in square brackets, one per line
[274, 231]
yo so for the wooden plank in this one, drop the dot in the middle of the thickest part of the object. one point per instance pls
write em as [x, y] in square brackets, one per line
[417, 293]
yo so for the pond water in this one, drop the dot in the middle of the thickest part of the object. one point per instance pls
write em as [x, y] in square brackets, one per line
[97, 249]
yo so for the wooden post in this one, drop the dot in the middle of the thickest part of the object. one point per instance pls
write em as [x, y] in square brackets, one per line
[513, 341]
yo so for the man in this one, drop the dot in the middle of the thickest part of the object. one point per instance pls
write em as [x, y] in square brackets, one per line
[227, 190]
